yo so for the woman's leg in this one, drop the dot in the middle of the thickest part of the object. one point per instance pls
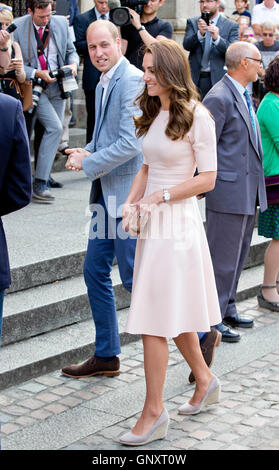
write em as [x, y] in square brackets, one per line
[156, 356]
[189, 346]
[271, 271]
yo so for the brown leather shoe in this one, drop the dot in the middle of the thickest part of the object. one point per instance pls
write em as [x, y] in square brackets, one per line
[92, 366]
[207, 347]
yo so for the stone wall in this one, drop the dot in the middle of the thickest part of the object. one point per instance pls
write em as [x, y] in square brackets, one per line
[176, 11]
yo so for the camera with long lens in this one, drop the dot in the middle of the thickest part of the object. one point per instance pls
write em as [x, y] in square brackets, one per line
[119, 10]
[38, 86]
[65, 80]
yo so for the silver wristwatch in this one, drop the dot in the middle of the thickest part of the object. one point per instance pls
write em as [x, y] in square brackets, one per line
[166, 195]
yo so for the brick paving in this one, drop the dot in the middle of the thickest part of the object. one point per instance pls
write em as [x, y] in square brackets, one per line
[247, 418]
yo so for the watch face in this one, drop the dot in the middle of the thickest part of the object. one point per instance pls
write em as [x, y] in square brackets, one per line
[166, 196]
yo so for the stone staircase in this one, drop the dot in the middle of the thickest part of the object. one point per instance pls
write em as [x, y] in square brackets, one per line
[47, 319]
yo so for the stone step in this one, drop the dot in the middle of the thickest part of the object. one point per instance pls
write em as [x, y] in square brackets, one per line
[49, 351]
[47, 307]
[53, 305]
[49, 270]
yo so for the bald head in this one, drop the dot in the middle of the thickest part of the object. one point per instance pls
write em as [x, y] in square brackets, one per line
[238, 51]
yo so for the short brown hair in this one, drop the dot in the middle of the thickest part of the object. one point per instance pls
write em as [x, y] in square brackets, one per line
[104, 24]
[271, 78]
[32, 4]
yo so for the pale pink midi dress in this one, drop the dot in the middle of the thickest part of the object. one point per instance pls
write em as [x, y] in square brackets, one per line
[174, 288]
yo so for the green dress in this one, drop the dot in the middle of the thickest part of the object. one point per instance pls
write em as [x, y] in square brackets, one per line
[268, 117]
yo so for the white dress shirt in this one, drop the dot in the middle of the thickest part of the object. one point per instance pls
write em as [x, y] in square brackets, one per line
[50, 52]
[261, 14]
[105, 78]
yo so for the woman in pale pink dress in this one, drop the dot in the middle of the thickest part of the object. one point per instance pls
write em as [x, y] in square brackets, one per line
[174, 293]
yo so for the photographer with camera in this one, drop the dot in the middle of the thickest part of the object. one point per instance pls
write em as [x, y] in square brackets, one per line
[143, 28]
[48, 53]
[207, 39]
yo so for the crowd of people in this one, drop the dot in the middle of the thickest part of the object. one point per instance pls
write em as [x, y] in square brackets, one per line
[165, 127]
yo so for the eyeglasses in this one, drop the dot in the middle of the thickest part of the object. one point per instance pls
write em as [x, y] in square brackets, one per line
[268, 34]
[6, 7]
[257, 60]
[206, 1]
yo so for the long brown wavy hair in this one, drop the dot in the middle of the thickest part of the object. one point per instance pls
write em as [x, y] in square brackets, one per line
[172, 70]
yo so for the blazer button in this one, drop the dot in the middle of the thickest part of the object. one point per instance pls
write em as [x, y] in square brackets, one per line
[247, 172]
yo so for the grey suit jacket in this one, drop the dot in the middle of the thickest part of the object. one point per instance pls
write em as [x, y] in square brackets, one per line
[59, 30]
[240, 181]
[115, 151]
[228, 31]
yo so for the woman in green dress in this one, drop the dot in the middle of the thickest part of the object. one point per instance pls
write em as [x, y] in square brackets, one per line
[268, 224]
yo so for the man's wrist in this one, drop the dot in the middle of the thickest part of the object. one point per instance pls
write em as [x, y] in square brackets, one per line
[141, 28]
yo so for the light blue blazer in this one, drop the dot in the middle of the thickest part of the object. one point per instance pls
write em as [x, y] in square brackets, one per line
[115, 151]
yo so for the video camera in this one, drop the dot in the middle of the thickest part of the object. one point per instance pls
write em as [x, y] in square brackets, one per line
[119, 10]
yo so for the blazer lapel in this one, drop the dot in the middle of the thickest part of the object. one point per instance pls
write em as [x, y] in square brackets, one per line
[243, 111]
[33, 41]
[114, 79]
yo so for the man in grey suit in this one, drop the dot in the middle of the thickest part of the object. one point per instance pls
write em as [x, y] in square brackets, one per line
[240, 186]
[207, 45]
[46, 45]
[111, 160]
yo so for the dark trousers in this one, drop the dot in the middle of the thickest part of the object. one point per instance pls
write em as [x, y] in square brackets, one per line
[204, 85]
[229, 237]
[103, 246]
[90, 108]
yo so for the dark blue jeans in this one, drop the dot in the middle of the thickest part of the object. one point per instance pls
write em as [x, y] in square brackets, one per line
[1, 310]
[102, 248]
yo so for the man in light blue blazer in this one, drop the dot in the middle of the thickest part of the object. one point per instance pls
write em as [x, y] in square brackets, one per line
[111, 160]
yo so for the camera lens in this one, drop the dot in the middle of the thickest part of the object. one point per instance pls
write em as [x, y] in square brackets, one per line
[120, 16]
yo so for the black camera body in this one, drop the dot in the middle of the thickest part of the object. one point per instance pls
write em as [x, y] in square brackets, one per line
[60, 75]
[120, 15]
[134, 4]
[10, 28]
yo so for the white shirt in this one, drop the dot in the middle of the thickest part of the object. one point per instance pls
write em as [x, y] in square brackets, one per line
[50, 52]
[98, 15]
[105, 78]
[261, 14]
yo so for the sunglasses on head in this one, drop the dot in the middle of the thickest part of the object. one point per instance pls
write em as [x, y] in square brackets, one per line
[6, 7]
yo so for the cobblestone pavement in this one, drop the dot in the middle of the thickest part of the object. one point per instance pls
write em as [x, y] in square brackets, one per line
[246, 418]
